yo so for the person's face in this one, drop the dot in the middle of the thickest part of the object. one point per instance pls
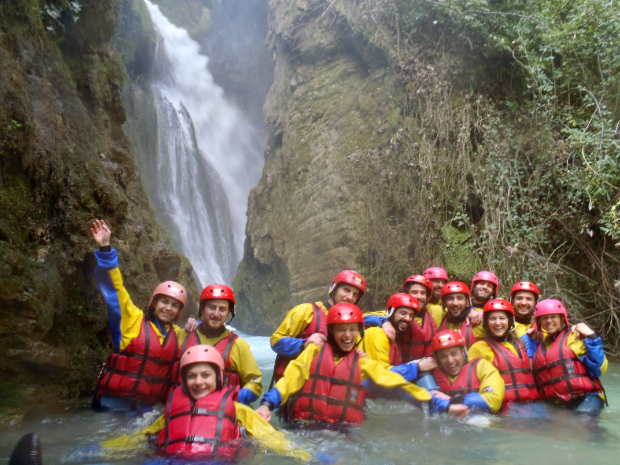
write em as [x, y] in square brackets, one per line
[403, 316]
[483, 290]
[420, 292]
[456, 304]
[215, 313]
[451, 360]
[438, 285]
[345, 293]
[345, 335]
[201, 380]
[524, 303]
[498, 323]
[167, 309]
[552, 323]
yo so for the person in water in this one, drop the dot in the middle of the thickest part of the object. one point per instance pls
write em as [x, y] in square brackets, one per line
[137, 373]
[568, 362]
[202, 418]
[506, 352]
[400, 311]
[523, 297]
[329, 382]
[305, 324]
[217, 304]
[455, 298]
[475, 385]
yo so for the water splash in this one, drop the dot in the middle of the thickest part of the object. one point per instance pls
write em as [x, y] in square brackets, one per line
[208, 157]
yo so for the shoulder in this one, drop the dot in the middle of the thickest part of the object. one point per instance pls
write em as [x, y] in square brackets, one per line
[240, 343]
[302, 309]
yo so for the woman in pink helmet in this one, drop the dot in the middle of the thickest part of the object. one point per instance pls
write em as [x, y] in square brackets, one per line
[136, 374]
[568, 361]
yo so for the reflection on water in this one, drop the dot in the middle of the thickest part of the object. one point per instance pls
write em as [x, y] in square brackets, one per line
[394, 433]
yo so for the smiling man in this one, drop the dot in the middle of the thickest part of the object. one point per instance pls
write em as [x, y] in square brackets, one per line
[217, 304]
[455, 298]
[523, 297]
[484, 287]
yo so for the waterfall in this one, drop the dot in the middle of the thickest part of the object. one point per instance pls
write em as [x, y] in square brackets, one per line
[208, 157]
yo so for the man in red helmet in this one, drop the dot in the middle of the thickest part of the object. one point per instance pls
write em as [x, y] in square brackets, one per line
[484, 287]
[523, 297]
[306, 323]
[137, 373]
[438, 278]
[476, 384]
[217, 304]
[455, 298]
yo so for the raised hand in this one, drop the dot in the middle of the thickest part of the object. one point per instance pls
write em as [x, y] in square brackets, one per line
[101, 233]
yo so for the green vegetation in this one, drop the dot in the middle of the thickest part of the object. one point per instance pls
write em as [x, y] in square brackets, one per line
[509, 133]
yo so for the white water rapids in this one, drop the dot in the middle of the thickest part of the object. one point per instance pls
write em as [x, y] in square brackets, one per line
[208, 157]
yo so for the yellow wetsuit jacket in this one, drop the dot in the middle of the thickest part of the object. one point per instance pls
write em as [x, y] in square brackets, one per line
[298, 372]
[255, 426]
[241, 359]
[521, 328]
[437, 312]
[285, 340]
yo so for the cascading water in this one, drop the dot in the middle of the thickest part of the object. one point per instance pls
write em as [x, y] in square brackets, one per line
[208, 157]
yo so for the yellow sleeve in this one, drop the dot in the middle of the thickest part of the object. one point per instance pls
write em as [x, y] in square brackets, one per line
[377, 346]
[297, 372]
[266, 436]
[479, 331]
[436, 312]
[295, 322]
[492, 386]
[131, 316]
[521, 329]
[134, 440]
[480, 350]
[579, 348]
[377, 313]
[385, 378]
[242, 361]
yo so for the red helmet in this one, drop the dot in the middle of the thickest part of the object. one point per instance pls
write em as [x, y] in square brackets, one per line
[436, 273]
[203, 354]
[486, 276]
[344, 313]
[219, 291]
[550, 307]
[525, 286]
[455, 287]
[449, 338]
[419, 279]
[498, 304]
[350, 277]
[171, 289]
[401, 300]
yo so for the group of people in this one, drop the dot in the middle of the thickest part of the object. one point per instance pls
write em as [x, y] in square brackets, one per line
[437, 343]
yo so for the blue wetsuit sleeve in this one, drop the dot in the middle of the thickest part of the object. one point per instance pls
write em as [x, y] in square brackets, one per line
[272, 397]
[107, 261]
[246, 396]
[438, 406]
[476, 402]
[594, 357]
[289, 347]
[530, 344]
[409, 371]
[374, 320]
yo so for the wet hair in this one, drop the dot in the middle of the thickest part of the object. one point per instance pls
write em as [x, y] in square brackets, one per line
[218, 377]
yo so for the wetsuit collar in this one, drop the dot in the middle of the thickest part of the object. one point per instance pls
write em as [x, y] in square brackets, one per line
[211, 333]
[459, 320]
[523, 321]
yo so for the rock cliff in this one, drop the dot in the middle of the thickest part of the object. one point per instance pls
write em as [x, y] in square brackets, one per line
[65, 161]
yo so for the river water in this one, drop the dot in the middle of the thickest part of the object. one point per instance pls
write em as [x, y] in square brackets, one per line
[393, 433]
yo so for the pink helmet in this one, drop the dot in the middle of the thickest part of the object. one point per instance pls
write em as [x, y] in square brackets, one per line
[436, 273]
[550, 307]
[203, 354]
[486, 276]
[171, 289]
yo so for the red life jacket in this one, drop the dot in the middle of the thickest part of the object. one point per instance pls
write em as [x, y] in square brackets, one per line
[142, 370]
[333, 392]
[317, 325]
[396, 354]
[516, 373]
[467, 331]
[465, 383]
[223, 346]
[204, 427]
[419, 338]
[558, 372]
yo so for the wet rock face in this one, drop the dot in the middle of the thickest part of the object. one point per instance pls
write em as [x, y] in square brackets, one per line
[329, 99]
[64, 162]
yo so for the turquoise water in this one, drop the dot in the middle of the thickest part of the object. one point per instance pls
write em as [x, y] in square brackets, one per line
[393, 433]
